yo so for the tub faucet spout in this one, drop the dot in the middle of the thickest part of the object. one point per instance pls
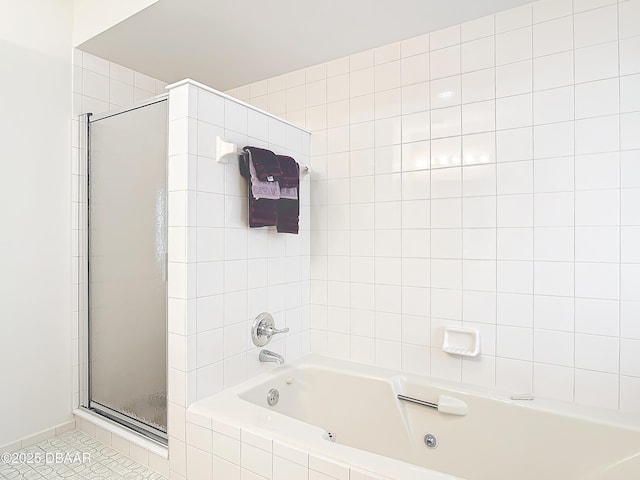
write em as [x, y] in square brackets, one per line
[269, 356]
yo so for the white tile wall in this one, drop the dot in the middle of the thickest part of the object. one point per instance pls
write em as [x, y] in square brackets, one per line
[221, 273]
[217, 450]
[486, 175]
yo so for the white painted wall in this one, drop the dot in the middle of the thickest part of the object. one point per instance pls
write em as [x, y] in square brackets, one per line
[92, 17]
[35, 239]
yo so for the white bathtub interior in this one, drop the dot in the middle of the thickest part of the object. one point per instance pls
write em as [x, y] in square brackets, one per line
[498, 438]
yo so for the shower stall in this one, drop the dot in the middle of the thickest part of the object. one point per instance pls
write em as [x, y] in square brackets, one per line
[124, 333]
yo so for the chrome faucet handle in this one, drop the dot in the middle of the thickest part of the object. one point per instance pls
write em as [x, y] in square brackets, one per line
[263, 329]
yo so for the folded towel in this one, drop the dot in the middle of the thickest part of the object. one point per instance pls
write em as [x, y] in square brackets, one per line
[260, 189]
[288, 208]
[263, 212]
[265, 162]
[290, 178]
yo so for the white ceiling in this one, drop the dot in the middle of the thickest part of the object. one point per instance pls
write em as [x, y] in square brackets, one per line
[228, 43]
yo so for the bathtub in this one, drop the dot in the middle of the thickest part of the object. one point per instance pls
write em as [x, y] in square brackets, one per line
[351, 414]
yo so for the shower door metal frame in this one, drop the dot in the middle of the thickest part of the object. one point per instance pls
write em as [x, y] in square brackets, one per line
[84, 378]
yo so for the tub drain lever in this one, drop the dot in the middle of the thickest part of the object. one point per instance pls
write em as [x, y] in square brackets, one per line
[446, 404]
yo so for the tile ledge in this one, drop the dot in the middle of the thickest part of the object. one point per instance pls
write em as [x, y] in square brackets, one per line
[134, 438]
[188, 81]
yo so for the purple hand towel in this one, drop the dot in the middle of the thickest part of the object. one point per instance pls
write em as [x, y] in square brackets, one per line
[288, 209]
[265, 162]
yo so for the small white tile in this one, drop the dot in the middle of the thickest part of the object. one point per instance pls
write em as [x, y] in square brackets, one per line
[478, 117]
[415, 45]
[630, 93]
[415, 127]
[479, 211]
[387, 76]
[629, 18]
[415, 156]
[445, 62]
[629, 357]
[446, 182]
[446, 152]
[514, 342]
[629, 199]
[515, 177]
[387, 53]
[554, 140]
[549, 9]
[554, 209]
[554, 244]
[597, 207]
[478, 86]
[629, 278]
[361, 82]
[553, 36]
[514, 144]
[361, 60]
[514, 111]
[478, 54]
[584, 5]
[630, 239]
[629, 124]
[416, 185]
[597, 62]
[445, 37]
[515, 244]
[479, 244]
[479, 149]
[478, 180]
[597, 280]
[595, 352]
[630, 169]
[553, 313]
[515, 310]
[514, 375]
[598, 244]
[515, 210]
[554, 175]
[552, 381]
[556, 105]
[446, 243]
[478, 28]
[445, 92]
[415, 69]
[596, 26]
[256, 460]
[554, 278]
[95, 64]
[552, 347]
[596, 389]
[199, 463]
[415, 98]
[514, 18]
[597, 171]
[514, 46]
[596, 316]
[514, 78]
[599, 134]
[629, 392]
[552, 71]
[328, 467]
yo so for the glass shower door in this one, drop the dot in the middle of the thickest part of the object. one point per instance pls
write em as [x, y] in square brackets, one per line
[127, 267]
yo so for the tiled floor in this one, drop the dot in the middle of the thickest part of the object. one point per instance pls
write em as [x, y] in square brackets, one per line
[72, 455]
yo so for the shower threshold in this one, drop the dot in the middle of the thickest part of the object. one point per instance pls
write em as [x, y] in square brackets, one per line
[154, 434]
